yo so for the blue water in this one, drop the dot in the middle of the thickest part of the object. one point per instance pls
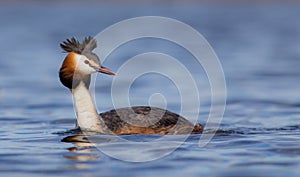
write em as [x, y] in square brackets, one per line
[258, 46]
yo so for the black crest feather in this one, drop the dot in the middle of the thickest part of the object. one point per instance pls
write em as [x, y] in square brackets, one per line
[73, 45]
[89, 44]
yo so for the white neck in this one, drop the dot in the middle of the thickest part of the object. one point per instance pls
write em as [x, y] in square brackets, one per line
[87, 116]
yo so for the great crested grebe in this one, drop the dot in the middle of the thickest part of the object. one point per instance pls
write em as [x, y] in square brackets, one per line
[75, 74]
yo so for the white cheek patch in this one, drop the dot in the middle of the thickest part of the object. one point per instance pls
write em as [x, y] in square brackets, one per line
[93, 64]
[83, 66]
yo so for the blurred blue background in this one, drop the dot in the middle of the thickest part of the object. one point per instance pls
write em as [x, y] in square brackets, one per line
[257, 44]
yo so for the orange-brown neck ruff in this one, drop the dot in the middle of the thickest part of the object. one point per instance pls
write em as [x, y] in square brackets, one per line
[68, 75]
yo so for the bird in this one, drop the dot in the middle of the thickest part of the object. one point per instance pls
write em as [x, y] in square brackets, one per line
[75, 74]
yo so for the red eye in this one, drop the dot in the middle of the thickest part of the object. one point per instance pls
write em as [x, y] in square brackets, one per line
[86, 62]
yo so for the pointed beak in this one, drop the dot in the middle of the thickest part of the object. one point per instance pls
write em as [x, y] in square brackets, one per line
[99, 68]
[104, 70]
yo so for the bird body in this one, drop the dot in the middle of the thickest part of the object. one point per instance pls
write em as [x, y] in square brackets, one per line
[75, 74]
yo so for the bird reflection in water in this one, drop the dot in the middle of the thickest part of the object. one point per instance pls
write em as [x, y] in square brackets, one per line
[84, 148]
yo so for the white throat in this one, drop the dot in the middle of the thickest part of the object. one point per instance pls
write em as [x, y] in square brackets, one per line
[87, 116]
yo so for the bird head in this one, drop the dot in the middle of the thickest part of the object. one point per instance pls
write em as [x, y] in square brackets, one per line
[80, 62]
